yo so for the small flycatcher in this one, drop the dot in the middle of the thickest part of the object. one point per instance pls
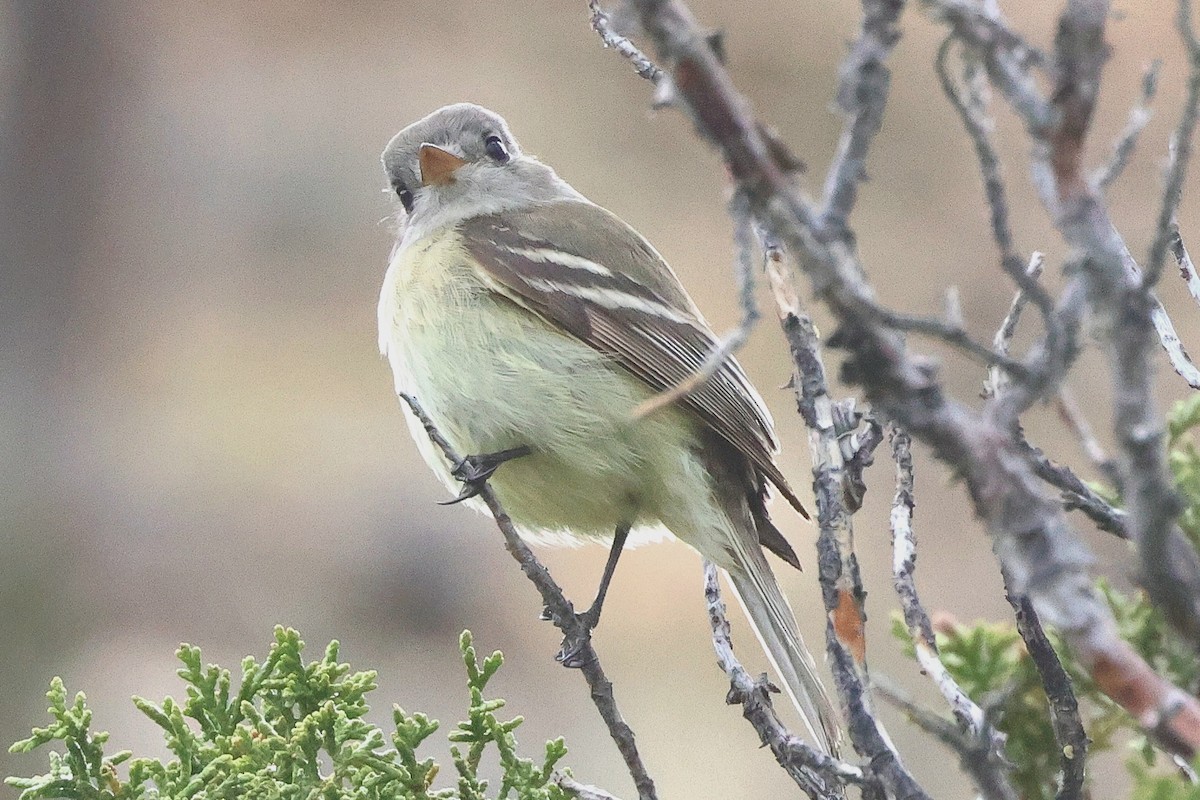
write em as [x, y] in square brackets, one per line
[529, 323]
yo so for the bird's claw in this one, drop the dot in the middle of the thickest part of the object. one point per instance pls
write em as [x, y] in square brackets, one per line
[474, 471]
[576, 650]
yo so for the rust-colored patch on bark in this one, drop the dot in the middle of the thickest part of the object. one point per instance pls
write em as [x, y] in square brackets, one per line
[848, 626]
[1130, 683]
[1164, 711]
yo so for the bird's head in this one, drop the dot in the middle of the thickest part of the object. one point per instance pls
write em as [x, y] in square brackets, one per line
[462, 161]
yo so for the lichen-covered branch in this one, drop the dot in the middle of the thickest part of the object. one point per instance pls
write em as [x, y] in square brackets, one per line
[1116, 291]
[862, 97]
[841, 583]
[981, 745]
[820, 776]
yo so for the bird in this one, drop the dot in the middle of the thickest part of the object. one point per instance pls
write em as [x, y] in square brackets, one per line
[530, 324]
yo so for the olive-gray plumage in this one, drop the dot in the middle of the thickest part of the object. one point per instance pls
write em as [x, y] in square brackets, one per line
[521, 314]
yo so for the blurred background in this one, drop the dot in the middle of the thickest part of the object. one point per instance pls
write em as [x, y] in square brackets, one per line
[198, 439]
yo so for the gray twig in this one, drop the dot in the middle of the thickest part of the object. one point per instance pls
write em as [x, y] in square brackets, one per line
[1008, 59]
[641, 63]
[1180, 152]
[950, 332]
[581, 790]
[562, 614]
[982, 746]
[1117, 291]
[1139, 117]
[992, 782]
[841, 583]
[1187, 270]
[972, 110]
[820, 776]
[1064, 709]
[862, 95]
[1002, 341]
[1077, 495]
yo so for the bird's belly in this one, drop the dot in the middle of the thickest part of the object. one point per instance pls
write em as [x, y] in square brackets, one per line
[494, 376]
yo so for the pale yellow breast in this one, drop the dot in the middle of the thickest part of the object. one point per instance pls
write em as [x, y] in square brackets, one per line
[493, 376]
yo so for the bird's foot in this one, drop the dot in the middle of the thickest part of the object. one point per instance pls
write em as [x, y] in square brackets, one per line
[576, 650]
[474, 471]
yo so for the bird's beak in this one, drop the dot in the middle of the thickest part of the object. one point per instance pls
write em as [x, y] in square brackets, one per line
[437, 165]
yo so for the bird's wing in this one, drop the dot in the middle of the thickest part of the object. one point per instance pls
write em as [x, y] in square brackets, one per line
[584, 270]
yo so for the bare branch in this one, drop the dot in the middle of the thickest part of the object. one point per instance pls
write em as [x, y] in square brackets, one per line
[1077, 495]
[982, 748]
[817, 774]
[562, 614]
[1181, 150]
[1116, 290]
[1180, 361]
[1187, 270]
[581, 790]
[972, 110]
[997, 377]
[642, 65]
[1139, 117]
[949, 332]
[862, 97]
[1064, 709]
[1031, 536]
[1008, 58]
[991, 783]
[841, 583]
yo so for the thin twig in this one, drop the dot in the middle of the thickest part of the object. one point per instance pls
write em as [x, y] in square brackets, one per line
[1064, 708]
[562, 614]
[1002, 341]
[992, 783]
[641, 63]
[582, 791]
[1139, 117]
[1177, 355]
[1180, 152]
[1187, 270]
[743, 236]
[817, 774]
[972, 111]
[838, 572]
[865, 80]
[1077, 495]
[1116, 289]
[949, 332]
[983, 753]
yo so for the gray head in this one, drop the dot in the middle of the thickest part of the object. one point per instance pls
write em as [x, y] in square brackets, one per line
[462, 161]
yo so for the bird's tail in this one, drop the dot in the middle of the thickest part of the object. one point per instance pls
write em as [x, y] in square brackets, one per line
[773, 621]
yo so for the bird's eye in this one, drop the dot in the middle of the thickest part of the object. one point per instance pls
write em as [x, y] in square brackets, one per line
[406, 196]
[495, 149]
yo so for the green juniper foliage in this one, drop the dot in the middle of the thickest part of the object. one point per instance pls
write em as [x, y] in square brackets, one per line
[990, 663]
[292, 731]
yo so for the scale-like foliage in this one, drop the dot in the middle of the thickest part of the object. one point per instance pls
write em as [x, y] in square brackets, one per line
[292, 731]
